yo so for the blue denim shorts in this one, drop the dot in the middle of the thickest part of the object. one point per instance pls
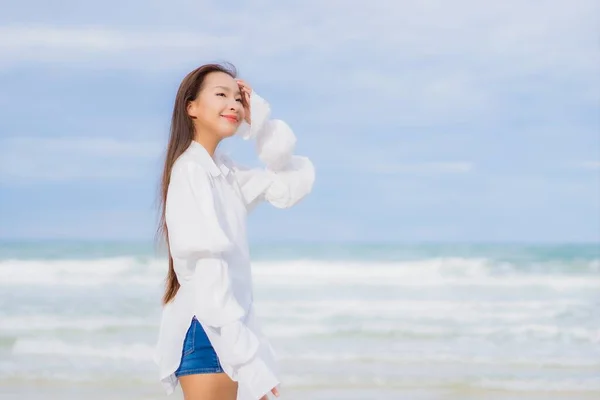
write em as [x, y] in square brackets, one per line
[198, 356]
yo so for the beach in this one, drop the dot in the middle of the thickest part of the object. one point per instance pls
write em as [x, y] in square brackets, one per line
[348, 321]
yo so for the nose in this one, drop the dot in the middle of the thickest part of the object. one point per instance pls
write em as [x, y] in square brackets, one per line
[235, 105]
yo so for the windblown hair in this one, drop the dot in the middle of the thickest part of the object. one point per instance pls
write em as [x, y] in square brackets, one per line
[181, 136]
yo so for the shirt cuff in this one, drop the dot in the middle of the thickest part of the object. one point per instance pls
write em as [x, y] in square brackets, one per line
[292, 184]
[257, 378]
[275, 144]
[260, 113]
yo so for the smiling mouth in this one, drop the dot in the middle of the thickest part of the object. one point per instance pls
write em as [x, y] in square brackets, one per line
[230, 118]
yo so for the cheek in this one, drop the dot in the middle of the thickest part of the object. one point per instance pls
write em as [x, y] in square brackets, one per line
[209, 111]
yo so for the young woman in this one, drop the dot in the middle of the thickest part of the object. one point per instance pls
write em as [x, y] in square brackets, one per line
[210, 340]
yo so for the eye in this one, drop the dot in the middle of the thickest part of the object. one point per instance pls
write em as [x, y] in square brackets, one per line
[240, 100]
[221, 94]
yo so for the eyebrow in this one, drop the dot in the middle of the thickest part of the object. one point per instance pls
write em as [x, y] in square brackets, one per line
[227, 89]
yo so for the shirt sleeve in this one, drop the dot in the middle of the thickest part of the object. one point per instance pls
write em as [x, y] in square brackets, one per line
[196, 235]
[285, 178]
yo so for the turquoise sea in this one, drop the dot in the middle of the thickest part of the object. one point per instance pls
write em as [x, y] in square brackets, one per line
[348, 321]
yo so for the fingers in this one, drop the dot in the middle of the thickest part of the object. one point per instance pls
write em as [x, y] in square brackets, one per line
[246, 92]
[244, 87]
[242, 82]
[274, 391]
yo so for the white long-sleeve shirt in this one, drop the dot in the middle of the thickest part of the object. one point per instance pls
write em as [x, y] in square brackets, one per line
[206, 207]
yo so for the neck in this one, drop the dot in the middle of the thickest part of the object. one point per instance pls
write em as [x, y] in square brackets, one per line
[210, 143]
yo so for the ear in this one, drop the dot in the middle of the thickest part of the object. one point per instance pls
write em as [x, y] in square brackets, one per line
[191, 109]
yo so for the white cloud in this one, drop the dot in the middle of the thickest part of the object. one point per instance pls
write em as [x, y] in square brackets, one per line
[90, 39]
[526, 36]
[427, 61]
[86, 146]
[387, 65]
[589, 165]
[93, 47]
[33, 159]
[458, 167]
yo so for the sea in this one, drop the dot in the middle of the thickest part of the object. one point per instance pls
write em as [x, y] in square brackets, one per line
[349, 321]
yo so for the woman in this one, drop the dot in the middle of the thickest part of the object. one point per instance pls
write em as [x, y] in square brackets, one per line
[210, 340]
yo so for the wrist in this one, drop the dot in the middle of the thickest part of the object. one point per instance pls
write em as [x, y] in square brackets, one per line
[259, 114]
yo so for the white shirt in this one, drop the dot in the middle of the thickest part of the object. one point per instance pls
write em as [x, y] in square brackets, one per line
[206, 207]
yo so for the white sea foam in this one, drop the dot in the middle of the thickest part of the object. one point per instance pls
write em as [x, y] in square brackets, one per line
[393, 330]
[56, 347]
[426, 272]
[377, 328]
[404, 318]
[142, 352]
[438, 359]
[49, 322]
[541, 385]
[464, 311]
[71, 272]
[437, 322]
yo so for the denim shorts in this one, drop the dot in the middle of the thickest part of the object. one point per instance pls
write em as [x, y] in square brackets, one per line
[198, 356]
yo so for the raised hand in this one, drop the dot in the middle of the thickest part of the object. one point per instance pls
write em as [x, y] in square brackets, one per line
[246, 92]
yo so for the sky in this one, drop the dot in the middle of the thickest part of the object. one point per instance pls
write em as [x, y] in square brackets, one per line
[427, 120]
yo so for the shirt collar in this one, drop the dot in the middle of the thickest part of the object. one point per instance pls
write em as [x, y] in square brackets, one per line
[214, 166]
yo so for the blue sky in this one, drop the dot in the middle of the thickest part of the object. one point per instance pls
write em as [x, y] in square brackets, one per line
[426, 120]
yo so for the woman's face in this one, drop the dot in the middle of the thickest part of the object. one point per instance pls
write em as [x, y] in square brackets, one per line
[218, 108]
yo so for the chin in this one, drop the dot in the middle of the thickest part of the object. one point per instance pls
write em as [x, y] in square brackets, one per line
[227, 130]
[225, 133]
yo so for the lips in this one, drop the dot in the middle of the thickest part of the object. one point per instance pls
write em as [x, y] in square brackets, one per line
[230, 118]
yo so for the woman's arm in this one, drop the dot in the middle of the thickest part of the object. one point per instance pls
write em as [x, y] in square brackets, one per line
[286, 178]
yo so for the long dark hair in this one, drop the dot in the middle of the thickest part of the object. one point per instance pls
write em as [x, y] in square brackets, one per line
[182, 134]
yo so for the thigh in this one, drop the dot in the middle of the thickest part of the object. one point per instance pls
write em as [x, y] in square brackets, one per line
[208, 387]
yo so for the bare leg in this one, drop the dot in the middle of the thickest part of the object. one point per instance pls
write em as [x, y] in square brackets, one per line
[208, 387]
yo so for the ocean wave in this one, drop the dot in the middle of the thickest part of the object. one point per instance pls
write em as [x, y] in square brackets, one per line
[426, 310]
[142, 352]
[49, 322]
[426, 272]
[441, 359]
[102, 271]
[579, 385]
[397, 331]
[57, 347]
[305, 327]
